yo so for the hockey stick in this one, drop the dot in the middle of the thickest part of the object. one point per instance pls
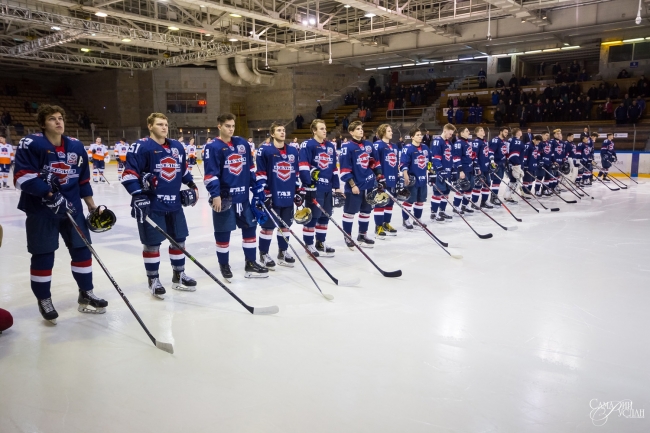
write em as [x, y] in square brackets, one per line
[625, 174]
[511, 228]
[325, 295]
[501, 203]
[314, 258]
[563, 181]
[426, 230]
[487, 236]
[519, 195]
[390, 274]
[167, 347]
[253, 310]
[619, 184]
[579, 188]
[553, 209]
[102, 175]
[199, 168]
[598, 179]
[551, 189]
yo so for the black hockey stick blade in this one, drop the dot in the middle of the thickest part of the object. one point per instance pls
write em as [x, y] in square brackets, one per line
[487, 236]
[167, 347]
[392, 274]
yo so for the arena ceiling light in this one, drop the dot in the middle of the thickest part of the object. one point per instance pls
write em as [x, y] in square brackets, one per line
[574, 47]
[235, 15]
[383, 67]
[126, 40]
[85, 50]
[408, 64]
[369, 15]
[612, 42]
[632, 40]
[370, 69]
[533, 52]
[550, 50]
[101, 14]
[57, 28]
[347, 6]
[173, 28]
[233, 39]
[436, 61]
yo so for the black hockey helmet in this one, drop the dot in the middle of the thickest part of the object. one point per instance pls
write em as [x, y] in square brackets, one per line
[302, 215]
[226, 202]
[462, 185]
[338, 199]
[101, 219]
[377, 197]
[480, 179]
[565, 168]
[402, 194]
[189, 197]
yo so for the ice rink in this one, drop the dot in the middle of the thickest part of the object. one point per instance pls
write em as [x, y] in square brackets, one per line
[524, 334]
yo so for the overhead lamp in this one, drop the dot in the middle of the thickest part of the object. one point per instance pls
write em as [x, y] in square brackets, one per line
[613, 42]
[395, 66]
[480, 57]
[550, 50]
[101, 14]
[565, 44]
[173, 28]
[85, 50]
[370, 69]
[201, 6]
[421, 63]
[632, 40]
[544, 17]
[523, 20]
[435, 61]
[57, 28]
[347, 6]
[208, 34]
[451, 60]
[533, 52]
[126, 40]
[305, 22]
[408, 64]
[574, 47]
[383, 67]
[369, 15]
[312, 21]
[93, 34]
[501, 55]
[235, 15]
[233, 39]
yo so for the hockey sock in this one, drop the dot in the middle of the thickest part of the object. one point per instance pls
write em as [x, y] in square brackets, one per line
[379, 213]
[443, 204]
[95, 172]
[308, 232]
[348, 220]
[457, 200]
[151, 256]
[418, 207]
[476, 194]
[388, 213]
[599, 173]
[176, 257]
[435, 203]
[495, 188]
[266, 235]
[249, 243]
[82, 267]
[409, 207]
[223, 247]
[101, 174]
[282, 243]
[41, 274]
[467, 197]
[321, 228]
[485, 194]
[364, 221]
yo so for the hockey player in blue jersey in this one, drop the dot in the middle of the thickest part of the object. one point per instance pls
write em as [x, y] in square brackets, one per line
[607, 156]
[514, 165]
[319, 175]
[499, 150]
[444, 165]
[544, 179]
[573, 154]
[558, 147]
[52, 175]
[588, 159]
[413, 163]
[530, 165]
[578, 151]
[277, 171]
[359, 168]
[156, 169]
[229, 176]
[388, 154]
[463, 149]
[482, 167]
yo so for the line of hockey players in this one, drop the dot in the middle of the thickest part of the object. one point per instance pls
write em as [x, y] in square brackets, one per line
[287, 182]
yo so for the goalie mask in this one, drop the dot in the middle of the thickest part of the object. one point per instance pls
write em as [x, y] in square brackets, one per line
[377, 198]
[101, 219]
[303, 215]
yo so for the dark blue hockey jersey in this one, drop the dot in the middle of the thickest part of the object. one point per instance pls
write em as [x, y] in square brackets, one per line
[322, 157]
[577, 150]
[443, 159]
[558, 153]
[545, 153]
[607, 149]
[499, 148]
[389, 158]
[588, 151]
[69, 162]
[515, 150]
[229, 169]
[415, 160]
[467, 155]
[167, 161]
[483, 154]
[277, 171]
[532, 157]
[359, 161]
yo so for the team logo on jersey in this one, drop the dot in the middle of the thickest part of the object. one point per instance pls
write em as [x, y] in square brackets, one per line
[547, 148]
[391, 159]
[368, 149]
[241, 149]
[72, 158]
[324, 159]
[421, 161]
[168, 168]
[486, 151]
[284, 170]
[63, 171]
[447, 154]
[363, 160]
[291, 158]
[284, 156]
[235, 164]
[535, 154]
[425, 152]
[504, 150]
[61, 155]
[587, 151]
[330, 151]
[559, 149]
[175, 153]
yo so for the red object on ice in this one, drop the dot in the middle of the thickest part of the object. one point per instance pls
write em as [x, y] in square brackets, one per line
[6, 320]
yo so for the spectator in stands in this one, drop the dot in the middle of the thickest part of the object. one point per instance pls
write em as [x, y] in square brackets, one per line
[620, 114]
[583, 75]
[556, 69]
[495, 97]
[528, 136]
[588, 105]
[627, 101]
[372, 83]
[574, 68]
[522, 115]
[319, 111]
[482, 74]
[362, 114]
[600, 111]
[336, 119]
[413, 99]
[482, 84]
[450, 115]
[499, 83]
[368, 114]
[427, 138]
[603, 93]
[547, 110]
[479, 114]
[584, 133]
[615, 91]
[499, 113]
[471, 118]
[460, 115]
[391, 105]
[592, 92]
[559, 111]
[541, 70]
[641, 103]
[92, 129]
[511, 111]
[524, 81]
[573, 112]
[6, 118]
[608, 109]
[455, 101]
[623, 74]
[345, 123]
[513, 81]
[633, 113]
[299, 121]
[633, 91]
[644, 90]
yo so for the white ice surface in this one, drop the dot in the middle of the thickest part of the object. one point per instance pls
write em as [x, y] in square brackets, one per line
[519, 336]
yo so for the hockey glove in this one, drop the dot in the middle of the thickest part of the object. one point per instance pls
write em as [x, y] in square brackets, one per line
[258, 210]
[614, 158]
[267, 198]
[299, 196]
[431, 178]
[381, 181]
[140, 207]
[59, 205]
[189, 197]
[50, 179]
[149, 182]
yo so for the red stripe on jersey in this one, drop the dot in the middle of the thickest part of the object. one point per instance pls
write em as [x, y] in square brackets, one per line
[303, 164]
[260, 173]
[21, 173]
[84, 181]
[345, 170]
[134, 173]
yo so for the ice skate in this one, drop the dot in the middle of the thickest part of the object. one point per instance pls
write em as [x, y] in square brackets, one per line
[458, 211]
[365, 241]
[494, 200]
[512, 201]
[407, 224]
[89, 303]
[389, 230]
[286, 259]
[486, 205]
[466, 210]
[226, 272]
[267, 261]
[314, 252]
[446, 216]
[380, 233]
[255, 270]
[349, 243]
[324, 250]
[156, 288]
[180, 281]
[47, 310]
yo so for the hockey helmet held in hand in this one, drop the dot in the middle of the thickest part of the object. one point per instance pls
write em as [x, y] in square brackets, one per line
[402, 194]
[226, 203]
[338, 199]
[101, 219]
[302, 215]
[189, 197]
[377, 197]
[565, 168]
[480, 179]
[462, 185]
